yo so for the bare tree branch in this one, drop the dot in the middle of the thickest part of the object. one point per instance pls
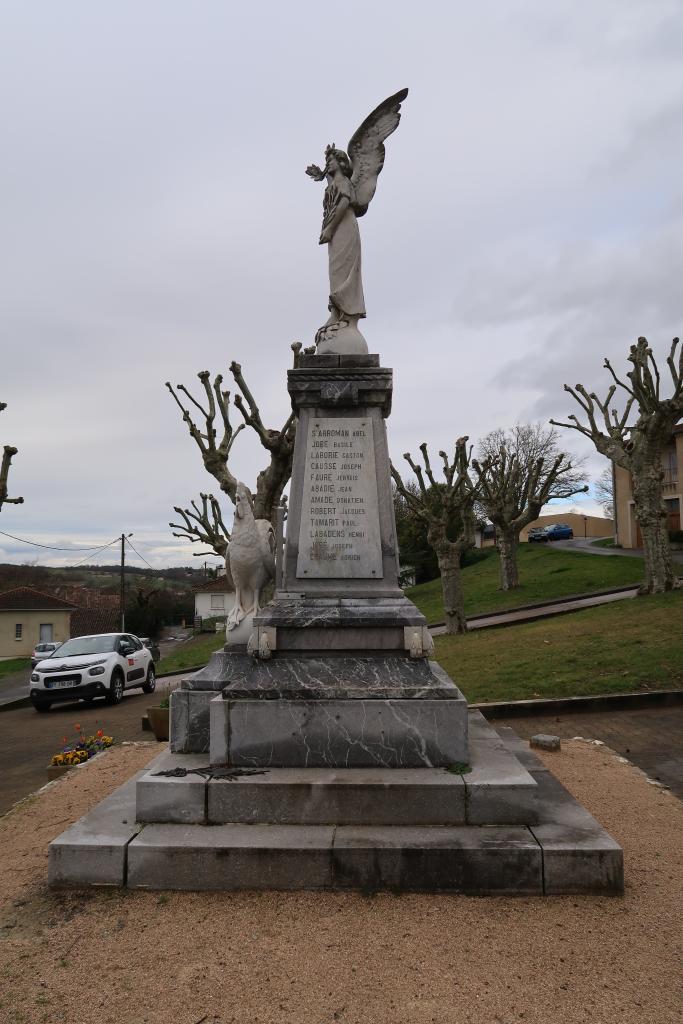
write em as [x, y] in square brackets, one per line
[203, 524]
[8, 454]
[447, 510]
[639, 447]
[215, 456]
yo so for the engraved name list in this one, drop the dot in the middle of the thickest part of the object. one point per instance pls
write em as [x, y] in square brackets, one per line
[339, 536]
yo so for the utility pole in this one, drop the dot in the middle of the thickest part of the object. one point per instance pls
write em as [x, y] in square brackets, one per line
[122, 599]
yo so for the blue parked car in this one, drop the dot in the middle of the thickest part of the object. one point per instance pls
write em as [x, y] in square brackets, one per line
[559, 531]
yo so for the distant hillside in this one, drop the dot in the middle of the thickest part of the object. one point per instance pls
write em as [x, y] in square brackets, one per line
[154, 597]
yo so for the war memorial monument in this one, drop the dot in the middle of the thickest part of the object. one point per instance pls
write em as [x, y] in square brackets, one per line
[330, 751]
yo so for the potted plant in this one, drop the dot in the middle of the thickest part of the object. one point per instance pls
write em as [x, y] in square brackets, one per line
[159, 719]
[78, 752]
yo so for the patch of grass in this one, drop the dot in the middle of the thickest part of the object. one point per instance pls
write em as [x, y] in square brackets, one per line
[545, 573]
[606, 542]
[8, 668]
[631, 645]
[195, 651]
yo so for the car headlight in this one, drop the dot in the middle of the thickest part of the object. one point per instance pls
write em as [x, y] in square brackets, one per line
[35, 678]
[98, 670]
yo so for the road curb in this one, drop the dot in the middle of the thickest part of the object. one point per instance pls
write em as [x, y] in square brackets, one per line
[20, 702]
[538, 605]
[597, 702]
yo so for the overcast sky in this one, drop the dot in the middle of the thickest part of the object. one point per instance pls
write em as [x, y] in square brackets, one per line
[157, 221]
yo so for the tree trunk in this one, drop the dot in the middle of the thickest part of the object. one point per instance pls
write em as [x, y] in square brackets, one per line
[651, 517]
[507, 551]
[451, 588]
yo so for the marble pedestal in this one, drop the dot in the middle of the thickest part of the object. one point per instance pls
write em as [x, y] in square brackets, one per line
[339, 672]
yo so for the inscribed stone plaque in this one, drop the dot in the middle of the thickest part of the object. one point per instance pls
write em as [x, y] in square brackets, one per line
[339, 536]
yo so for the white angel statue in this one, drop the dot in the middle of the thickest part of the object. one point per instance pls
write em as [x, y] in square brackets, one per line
[351, 184]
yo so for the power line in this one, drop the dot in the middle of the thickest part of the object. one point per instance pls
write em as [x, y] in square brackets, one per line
[130, 544]
[51, 547]
[88, 557]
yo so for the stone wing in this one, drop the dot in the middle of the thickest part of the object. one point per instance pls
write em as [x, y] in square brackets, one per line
[366, 148]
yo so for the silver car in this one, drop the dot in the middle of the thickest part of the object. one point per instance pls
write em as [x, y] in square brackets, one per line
[43, 651]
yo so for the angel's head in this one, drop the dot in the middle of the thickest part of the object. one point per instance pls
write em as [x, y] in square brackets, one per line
[336, 159]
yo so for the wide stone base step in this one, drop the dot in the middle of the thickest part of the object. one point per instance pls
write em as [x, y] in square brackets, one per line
[494, 789]
[566, 851]
[466, 859]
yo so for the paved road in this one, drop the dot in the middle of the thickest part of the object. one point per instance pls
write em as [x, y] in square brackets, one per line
[14, 686]
[29, 739]
[650, 737]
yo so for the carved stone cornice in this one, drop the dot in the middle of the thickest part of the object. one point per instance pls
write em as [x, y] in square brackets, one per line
[341, 387]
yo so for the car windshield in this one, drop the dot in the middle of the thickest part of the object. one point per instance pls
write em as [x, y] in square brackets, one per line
[88, 645]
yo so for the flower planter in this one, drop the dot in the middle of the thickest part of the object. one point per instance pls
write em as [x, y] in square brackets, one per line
[158, 720]
[55, 771]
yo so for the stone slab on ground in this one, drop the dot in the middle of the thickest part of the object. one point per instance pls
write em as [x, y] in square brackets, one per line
[93, 851]
[544, 741]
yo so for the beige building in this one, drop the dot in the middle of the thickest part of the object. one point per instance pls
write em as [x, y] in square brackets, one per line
[28, 617]
[627, 531]
[583, 526]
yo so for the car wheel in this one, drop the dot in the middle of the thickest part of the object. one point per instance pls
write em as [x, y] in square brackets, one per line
[43, 706]
[150, 683]
[115, 695]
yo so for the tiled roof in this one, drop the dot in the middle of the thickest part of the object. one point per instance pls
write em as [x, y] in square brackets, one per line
[26, 599]
[221, 585]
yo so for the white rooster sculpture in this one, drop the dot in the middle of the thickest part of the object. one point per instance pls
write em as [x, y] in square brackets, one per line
[250, 558]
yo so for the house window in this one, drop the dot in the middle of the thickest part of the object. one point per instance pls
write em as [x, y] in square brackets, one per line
[217, 602]
[19, 631]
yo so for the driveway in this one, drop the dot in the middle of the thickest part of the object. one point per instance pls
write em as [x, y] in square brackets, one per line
[587, 544]
[652, 738]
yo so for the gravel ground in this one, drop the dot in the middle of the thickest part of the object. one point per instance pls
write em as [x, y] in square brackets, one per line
[312, 958]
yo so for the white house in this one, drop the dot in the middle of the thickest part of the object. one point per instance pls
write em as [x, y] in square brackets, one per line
[214, 599]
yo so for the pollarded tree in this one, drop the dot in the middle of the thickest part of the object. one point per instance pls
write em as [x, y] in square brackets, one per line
[523, 469]
[447, 510]
[638, 446]
[204, 523]
[8, 454]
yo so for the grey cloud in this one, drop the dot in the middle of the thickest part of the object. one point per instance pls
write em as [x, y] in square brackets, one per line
[158, 222]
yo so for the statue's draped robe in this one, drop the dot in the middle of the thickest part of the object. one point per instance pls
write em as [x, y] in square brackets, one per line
[346, 285]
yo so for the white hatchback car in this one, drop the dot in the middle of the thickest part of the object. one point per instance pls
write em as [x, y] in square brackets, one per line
[92, 666]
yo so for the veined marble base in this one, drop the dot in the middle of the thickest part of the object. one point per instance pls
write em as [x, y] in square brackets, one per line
[352, 733]
[377, 701]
